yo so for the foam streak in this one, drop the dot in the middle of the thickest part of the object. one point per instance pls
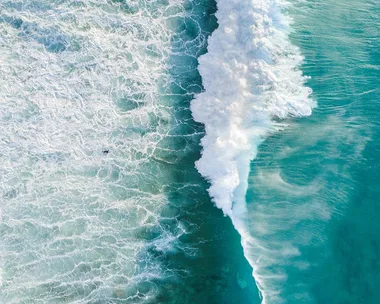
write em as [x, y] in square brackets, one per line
[251, 76]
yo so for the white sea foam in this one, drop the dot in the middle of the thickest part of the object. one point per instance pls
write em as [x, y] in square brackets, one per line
[77, 78]
[251, 77]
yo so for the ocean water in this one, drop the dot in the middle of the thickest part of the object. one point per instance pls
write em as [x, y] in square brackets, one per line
[313, 191]
[301, 189]
[189, 151]
[101, 202]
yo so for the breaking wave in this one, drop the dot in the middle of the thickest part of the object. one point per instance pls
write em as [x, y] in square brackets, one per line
[252, 80]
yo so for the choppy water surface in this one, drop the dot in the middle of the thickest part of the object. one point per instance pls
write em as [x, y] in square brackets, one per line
[101, 202]
[104, 110]
[81, 126]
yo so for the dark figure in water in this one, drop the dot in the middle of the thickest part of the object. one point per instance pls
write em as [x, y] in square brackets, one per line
[105, 152]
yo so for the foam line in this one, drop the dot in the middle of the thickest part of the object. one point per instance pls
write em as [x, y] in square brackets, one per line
[251, 76]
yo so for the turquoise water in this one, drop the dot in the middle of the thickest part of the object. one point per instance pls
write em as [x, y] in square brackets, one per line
[142, 161]
[101, 202]
[313, 191]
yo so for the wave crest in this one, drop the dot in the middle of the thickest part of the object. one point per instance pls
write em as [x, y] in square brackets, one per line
[251, 78]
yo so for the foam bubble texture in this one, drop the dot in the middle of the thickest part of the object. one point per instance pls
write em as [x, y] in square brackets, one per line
[251, 78]
[81, 127]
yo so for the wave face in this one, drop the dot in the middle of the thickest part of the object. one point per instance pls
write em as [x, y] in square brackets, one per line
[252, 80]
[313, 189]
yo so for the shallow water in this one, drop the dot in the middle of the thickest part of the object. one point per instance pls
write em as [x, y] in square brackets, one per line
[101, 202]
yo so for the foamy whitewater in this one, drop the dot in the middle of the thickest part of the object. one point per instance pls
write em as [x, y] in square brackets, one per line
[81, 127]
[102, 115]
[252, 80]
